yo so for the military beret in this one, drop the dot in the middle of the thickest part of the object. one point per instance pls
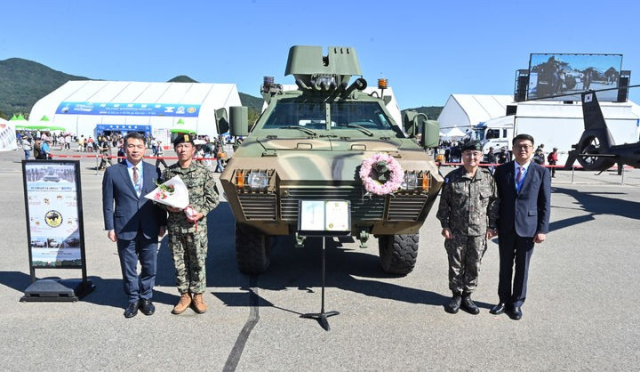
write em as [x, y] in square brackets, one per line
[472, 145]
[182, 138]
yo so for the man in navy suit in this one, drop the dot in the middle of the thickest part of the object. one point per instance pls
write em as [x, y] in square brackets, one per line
[524, 189]
[136, 222]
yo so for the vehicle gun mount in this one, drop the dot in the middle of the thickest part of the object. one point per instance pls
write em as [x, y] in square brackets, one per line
[314, 72]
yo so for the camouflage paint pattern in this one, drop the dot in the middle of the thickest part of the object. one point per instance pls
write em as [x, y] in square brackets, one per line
[188, 241]
[328, 160]
[468, 206]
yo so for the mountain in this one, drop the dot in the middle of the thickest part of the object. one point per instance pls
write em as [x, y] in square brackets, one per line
[253, 103]
[24, 82]
[432, 112]
[182, 79]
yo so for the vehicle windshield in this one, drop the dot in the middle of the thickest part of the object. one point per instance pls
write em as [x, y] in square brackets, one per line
[363, 116]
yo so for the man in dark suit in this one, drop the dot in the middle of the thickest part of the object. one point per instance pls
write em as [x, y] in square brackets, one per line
[524, 190]
[136, 222]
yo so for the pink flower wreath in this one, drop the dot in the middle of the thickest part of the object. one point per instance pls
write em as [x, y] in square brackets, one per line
[381, 174]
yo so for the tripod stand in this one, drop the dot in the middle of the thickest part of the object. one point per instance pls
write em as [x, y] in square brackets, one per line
[322, 315]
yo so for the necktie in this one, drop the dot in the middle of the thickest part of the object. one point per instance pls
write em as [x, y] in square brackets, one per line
[136, 180]
[519, 175]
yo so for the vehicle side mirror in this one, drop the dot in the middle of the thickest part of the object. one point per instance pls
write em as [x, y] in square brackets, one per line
[239, 118]
[430, 134]
[222, 123]
[410, 119]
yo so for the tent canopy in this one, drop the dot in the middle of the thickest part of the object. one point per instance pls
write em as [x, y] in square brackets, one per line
[41, 127]
[455, 132]
[182, 130]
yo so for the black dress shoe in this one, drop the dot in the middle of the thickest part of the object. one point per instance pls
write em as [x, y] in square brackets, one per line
[132, 309]
[147, 307]
[498, 309]
[515, 313]
[469, 306]
[454, 305]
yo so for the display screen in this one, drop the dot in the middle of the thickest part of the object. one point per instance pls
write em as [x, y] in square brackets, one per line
[568, 75]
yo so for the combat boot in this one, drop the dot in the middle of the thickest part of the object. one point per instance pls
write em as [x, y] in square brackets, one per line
[198, 303]
[454, 305]
[468, 305]
[183, 304]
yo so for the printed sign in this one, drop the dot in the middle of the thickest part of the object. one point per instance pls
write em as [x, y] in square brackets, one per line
[53, 220]
[324, 217]
[128, 109]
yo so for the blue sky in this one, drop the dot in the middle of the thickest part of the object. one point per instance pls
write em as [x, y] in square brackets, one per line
[427, 50]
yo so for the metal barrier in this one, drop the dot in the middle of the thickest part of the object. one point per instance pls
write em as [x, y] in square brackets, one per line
[561, 167]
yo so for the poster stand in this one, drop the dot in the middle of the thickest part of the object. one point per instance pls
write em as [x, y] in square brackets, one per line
[323, 218]
[55, 229]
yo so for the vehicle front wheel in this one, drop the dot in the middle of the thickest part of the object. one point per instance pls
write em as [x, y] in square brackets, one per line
[253, 250]
[398, 253]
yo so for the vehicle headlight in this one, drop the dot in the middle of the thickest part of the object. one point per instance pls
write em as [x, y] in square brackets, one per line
[416, 181]
[257, 180]
[253, 179]
[410, 181]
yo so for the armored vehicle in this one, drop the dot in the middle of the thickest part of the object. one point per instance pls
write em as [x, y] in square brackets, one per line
[329, 140]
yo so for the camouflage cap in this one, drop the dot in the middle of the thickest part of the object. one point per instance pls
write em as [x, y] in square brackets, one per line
[472, 145]
[182, 138]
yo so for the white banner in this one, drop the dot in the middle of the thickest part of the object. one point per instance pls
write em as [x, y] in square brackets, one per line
[7, 136]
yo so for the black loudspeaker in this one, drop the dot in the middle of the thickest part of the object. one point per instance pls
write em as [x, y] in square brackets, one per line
[623, 83]
[522, 84]
[512, 109]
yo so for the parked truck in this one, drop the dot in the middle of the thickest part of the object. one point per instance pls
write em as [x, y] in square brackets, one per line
[556, 124]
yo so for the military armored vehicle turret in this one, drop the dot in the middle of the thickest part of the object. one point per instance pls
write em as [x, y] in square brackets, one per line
[328, 140]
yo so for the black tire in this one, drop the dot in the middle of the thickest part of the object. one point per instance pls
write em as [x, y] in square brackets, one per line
[253, 250]
[398, 253]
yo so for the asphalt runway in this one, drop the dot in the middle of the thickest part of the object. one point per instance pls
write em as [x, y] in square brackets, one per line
[580, 313]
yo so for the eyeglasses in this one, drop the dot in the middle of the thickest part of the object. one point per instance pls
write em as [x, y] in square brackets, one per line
[523, 147]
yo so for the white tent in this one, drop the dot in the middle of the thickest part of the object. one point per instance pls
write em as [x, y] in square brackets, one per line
[7, 136]
[455, 132]
[501, 121]
[468, 110]
[92, 107]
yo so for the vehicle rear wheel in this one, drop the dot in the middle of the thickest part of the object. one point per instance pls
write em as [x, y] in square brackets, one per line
[253, 250]
[398, 253]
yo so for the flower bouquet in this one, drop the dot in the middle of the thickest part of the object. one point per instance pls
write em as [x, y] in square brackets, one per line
[173, 193]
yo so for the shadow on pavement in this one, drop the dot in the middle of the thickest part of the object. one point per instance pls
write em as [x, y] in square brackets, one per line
[596, 203]
[349, 269]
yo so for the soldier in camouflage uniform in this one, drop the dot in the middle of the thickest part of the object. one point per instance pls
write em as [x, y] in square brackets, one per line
[188, 238]
[468, 211]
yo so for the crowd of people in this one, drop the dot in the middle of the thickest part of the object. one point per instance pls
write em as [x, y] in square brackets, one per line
[38, 145]
[452, 153]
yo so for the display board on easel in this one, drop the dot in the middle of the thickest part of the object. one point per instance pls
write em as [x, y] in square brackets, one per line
[324, 218]
[55, 228]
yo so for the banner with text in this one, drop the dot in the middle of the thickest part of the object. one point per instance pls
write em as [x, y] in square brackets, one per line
[128, 109]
